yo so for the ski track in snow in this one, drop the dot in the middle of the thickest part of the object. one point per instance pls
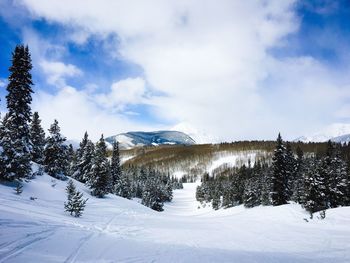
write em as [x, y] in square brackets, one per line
[14, 248]
[119, 230]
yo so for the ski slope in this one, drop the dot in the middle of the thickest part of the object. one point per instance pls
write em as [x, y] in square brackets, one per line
[119, 230]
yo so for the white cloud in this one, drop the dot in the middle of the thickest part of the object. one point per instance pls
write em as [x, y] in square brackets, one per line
[77, 112]
[211, 60]
[57, 71]
[122, 93]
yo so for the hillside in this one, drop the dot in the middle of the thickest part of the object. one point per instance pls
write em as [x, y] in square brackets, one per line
[114, 229]
[197, 159]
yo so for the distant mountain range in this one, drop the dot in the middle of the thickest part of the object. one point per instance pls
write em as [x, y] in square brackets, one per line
[339, 132]
[133, 139]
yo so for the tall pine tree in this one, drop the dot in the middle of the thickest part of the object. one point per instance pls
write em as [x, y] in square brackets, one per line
[279, 195]
[37, 136]
[55, 153]
[15, 138]
[99, 175]
[85, 155]
[116, 171]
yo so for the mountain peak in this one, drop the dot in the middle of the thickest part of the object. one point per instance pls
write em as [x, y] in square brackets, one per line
[140, 138]
[337, 132]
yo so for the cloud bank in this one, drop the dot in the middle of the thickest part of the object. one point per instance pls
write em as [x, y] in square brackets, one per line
[206, 64]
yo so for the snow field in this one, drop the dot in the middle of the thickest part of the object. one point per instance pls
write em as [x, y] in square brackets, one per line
[114, 229]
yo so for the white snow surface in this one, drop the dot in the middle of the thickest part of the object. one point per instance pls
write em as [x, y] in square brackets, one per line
[114, 229]
[126, 142]
[232, 159]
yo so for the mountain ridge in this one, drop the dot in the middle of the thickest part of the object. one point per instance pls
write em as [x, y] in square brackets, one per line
[132, 139]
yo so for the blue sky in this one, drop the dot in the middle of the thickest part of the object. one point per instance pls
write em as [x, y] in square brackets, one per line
[230, 71]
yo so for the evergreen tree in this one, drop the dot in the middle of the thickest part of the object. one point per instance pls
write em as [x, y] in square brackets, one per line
[253, 187]
[37, 136]
[279, 194]
[55, 153]
[2, 155]
[337, 180]
[290, 168]
[71, 160]
[75, 203]
[216, 202]
[298, 185]
[151, 196]
[16, 140]
[116, 171]
[123, 187]
[85, 155]
[99, 176]
[314, 198]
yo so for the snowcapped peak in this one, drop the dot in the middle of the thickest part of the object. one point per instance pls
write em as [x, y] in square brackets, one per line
[199, 136]
[338, 132]
[132, 139]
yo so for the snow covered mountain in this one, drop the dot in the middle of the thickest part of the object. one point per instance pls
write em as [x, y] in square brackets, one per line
[131, 139]
[337, 132]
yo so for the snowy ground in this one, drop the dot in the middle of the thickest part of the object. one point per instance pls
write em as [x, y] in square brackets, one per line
[118, 230]
[231, 159]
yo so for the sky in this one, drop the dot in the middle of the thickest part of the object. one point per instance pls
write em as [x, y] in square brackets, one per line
[219, 70]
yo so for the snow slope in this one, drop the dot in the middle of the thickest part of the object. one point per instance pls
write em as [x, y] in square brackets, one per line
[119, 230]
[231, 159]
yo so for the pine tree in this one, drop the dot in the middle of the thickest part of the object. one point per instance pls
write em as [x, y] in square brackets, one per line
[16, 140]
[71, 160]
[37, 136]
[151, 196]
[2, 155]
[337, 180]
[279, 188]
[216, 202]
[99, 176]
[298, 185]
[290, 168]
[75, 203]
[123, 187]
[55, 153]
[85, 155]
[266, 178]
[253, 187]
[116, 171]
[314, 198]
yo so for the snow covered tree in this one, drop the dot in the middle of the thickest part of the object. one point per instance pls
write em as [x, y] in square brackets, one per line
[290, 168]
[37, 136]
[99, 175]
[216, 202]
[151, 196]
[123, 187]
[15, 140]
[335, 173]
[314, 198]
[71, 160]
[2, 155]
[253, 186]
[116, 171]
[85, 155]
[55, 153]
[279, 188]
[75, 203]
[298, 184]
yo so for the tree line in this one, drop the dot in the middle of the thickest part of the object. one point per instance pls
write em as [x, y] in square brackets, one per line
[317, 181]
[23, 143]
